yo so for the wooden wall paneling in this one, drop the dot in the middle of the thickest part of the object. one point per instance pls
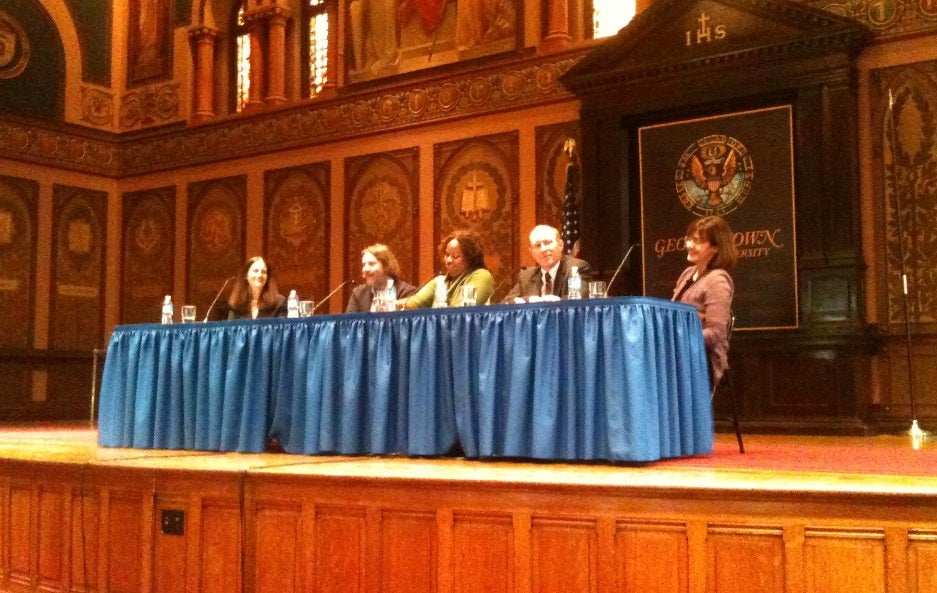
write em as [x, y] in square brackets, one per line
[127, 537]
[84, 549]
[19, 200]
[922, 560]
[53, 531]
[409, 552]
[340, 552]
[297, 230]
[552, 163]
[745, 559]
[564, 555]
[218, 557]
[21, 534]
[216, 238]
[277, 547]
[148, 266]
[382, 206]
[171, 571]
[476, 189]
[5, 529]
[843, 560]
[78, 249]
[483, 552]
[651, 556]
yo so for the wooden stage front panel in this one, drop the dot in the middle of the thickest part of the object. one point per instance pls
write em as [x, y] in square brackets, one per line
[78, 518]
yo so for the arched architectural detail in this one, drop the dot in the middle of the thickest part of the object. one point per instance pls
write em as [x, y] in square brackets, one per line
[68, 33]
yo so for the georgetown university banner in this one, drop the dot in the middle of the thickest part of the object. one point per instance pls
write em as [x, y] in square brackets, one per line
[739, 166]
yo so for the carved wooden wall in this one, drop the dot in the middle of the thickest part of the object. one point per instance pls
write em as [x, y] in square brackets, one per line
[297, 229]
[382, 206]
[551, 171]
[79, 237]
[19, 199]
[149, 230]
[216, 238]
[476, 188]
[73, 528]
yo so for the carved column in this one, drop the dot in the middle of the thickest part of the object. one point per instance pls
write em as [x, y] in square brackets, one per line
[336, 40]
[558, 36]
[204, 76]
[257, 30]
[277, 18]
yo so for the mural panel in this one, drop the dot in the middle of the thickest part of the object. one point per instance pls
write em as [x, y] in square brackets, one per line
[78, 242]
[382, 204]
[904, 133]
[296, 210]
[148, 40]
[216, 240]
[149, 252]
[552, 162]
[476, 188]
[18, 203]
[387, 37]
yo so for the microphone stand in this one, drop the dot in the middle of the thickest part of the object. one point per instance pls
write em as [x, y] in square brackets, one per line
[916, 433]
[328, 296]
[217, 296]
[620, 266]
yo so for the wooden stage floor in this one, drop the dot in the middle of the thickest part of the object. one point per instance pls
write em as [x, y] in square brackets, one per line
[791, 515]
[879, 464]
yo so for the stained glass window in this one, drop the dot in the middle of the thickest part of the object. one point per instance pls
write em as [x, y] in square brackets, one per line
[317, 22]
[242, 62]
[608, 16]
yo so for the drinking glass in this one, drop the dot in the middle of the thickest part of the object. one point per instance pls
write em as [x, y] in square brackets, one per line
[188, 313]
[468, 296]
[596, 289]
[305, 308]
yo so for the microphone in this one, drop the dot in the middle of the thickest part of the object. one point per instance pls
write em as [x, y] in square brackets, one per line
[620, 266]
[328, 296]
[217, 296]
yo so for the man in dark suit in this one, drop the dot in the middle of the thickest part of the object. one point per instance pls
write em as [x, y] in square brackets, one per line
[547, 280]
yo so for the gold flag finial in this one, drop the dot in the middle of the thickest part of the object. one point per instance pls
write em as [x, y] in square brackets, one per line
[569, 147]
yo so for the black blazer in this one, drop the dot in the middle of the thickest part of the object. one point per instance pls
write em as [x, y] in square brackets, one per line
[529, 280]
[278, 309]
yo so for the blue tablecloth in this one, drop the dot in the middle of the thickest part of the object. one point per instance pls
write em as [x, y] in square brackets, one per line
[613, 379]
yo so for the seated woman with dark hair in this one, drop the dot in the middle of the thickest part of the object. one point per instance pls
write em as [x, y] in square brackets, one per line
[707, 285]
[465, 266]
[380, 271]
[255, 293]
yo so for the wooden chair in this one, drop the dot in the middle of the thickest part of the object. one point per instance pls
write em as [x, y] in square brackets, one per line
[727, 381]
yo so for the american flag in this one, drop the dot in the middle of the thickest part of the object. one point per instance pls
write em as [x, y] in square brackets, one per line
[570, 203]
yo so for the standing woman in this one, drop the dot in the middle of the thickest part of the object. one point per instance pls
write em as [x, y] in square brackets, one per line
[255, 294]
[465, 266]
[707, 285]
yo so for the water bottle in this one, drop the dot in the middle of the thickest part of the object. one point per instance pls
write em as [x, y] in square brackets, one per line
[390, 298]
[574, 284]
[167, 310]
[292, 305]
[439, 299]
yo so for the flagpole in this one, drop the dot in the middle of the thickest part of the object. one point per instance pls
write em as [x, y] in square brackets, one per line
[570, 203]
[917, 434]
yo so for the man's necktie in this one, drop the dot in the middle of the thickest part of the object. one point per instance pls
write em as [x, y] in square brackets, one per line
[548, 284]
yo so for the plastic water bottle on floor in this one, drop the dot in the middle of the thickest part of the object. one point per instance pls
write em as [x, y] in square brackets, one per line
[166, 316]
[574, 284]
[292, 305]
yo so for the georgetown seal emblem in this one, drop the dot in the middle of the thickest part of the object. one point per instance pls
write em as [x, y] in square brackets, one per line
[714, 175]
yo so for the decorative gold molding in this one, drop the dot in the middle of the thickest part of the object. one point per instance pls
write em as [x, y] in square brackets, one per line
[522, 84]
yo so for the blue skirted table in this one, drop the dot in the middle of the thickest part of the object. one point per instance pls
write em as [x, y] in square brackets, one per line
[621, 379]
